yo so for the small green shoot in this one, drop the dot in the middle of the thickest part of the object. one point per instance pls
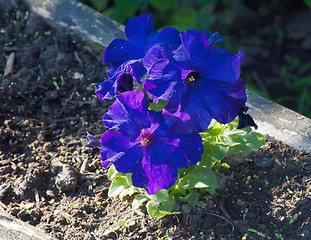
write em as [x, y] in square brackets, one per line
[62, 80]
[62, 140]
[47, 33]
[293, 218]
[112, 230]
[8, 44]
[287, 179]
[225, 165]
[55, 83]
[279, 236]
[248, 193]
[26, 15]
[273, 224]
[245, 213]
[255, 231]
[255, 176]
[127, 224]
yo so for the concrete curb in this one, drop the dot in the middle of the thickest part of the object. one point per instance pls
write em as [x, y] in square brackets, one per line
[13, 228]
[279, 122]
[81, 19]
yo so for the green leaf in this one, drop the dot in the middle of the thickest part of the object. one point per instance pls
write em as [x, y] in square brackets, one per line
[192, 198]
[112, 171]
[154, 211]
[177, 191]
[99, 5]
[130, 191]
[185, 18]
[160, 196]
[242, 140]
[167, 205]
[122, 223]
[163, 5]
[131, 223]
[139, 199]
[129, 178]
[200, 176]
[152, 208]
[158, 106]
[117, 186]
[217, 150]
[127, 7]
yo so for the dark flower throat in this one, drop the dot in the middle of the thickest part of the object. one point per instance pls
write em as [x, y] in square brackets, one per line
[192, 77]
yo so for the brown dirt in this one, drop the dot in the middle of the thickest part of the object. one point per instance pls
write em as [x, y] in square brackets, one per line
[48, 104]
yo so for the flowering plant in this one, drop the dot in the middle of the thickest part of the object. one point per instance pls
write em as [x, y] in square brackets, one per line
[162, 142]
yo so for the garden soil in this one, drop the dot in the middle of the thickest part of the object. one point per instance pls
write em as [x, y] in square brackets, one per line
[50, 180]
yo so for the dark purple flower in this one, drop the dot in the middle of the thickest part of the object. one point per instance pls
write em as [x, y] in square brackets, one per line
[246, 120]
[128, 57]
[93, 142]
[213, 39]
[199, 81]
[144, 145]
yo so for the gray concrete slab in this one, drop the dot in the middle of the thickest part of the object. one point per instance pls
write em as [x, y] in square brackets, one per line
[12, 228]
[81, 19]
[279, 122]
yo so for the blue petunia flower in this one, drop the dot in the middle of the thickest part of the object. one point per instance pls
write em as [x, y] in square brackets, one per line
[93, 142]
[140, 142]
[128, 57]
[213, 39]
[199, 81]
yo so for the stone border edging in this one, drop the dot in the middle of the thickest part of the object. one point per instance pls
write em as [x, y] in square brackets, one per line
[81, 19]
[12, 228]
[279, 122]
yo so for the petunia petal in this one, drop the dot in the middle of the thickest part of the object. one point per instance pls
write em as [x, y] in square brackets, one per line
[227, 71]
[120, 51]
[223, 100]
[164, 82]
[139, 29]
[120, 82]
[153, 55]
[166, 37]
[128, 162]
[194, 43]
[192, 146]
[159, 174]
[127, 113]
[189, 114]
[106, 89]
[113, 146]
[164, 150]
[213, 39]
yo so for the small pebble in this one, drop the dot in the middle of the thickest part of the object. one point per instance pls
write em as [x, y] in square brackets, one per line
[5, 170]
[5, 190]
[66, 179]
[185, 209]
[22, 215]
[264, 162]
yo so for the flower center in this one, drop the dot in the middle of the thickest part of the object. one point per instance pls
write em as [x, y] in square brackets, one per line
[192, 77]
[145, 140]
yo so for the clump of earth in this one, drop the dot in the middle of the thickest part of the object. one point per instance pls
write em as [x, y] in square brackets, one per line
[50, 180]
